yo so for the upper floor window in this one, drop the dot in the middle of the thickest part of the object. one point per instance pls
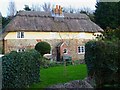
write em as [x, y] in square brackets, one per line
[20, 34]
[81, 49]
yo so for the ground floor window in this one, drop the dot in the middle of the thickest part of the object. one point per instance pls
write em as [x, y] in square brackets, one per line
[81, 50]
[65, 51]
[21, 50]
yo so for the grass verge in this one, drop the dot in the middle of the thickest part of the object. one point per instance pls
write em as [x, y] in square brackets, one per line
[60, 74]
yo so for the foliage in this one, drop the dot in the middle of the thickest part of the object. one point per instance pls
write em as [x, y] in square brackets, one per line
[20, 69]
[0, 20]
[5, 21]
[103, 62]
[55, 75]
[44, 63]
[43, 47]
[27, 8]
[107, 14]
[55, 63]
[112, 34]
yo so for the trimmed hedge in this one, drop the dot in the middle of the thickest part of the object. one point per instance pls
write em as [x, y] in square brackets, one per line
[43, 47]
[103, 62]
[20, 69]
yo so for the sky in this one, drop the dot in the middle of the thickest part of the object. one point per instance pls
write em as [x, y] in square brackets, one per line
[78, 4]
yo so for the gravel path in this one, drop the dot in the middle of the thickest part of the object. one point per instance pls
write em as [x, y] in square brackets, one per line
[76, 84]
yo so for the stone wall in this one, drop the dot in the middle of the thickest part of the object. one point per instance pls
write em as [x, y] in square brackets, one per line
[14, 44]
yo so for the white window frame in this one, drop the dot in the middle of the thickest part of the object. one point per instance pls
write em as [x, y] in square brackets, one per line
[81, 49]
[20, 35]
[21, 50]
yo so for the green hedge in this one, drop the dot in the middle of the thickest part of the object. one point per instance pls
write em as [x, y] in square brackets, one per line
[103, 62]
[43, 47]
[20, 69]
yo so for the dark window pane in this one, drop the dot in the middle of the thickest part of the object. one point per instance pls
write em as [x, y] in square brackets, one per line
[22, 34]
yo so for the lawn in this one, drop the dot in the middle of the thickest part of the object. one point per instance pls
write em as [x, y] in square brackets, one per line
[60, 74]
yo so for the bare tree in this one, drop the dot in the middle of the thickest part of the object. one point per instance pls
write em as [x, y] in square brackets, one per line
[36, 7]
[46, 7]
[70, 9]
[11, 9]
[86, 10]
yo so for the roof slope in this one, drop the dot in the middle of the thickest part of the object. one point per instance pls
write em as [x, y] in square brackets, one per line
[43, 21]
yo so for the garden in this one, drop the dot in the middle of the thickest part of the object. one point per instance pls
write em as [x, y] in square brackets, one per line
[60, 74]
[30, 69]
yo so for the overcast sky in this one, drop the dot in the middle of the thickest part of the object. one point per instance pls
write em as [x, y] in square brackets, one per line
[64, 3]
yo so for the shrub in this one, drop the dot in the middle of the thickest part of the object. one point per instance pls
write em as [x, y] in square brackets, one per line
[112, 34]
[103, 62]
[20, 69]
[44, 62]
[43, 47]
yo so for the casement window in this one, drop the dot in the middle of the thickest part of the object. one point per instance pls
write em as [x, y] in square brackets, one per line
[21, 50]
[81, 49]
[20, 34]
[65, 51]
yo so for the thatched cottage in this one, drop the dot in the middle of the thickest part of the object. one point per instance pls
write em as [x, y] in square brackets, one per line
[66, 33]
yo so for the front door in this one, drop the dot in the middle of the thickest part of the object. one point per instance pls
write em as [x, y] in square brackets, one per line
[58, 53]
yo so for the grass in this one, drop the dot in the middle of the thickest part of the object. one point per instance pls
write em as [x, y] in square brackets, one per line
[60, 74]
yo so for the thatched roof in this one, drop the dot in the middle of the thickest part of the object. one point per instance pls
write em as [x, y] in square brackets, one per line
[44, 21]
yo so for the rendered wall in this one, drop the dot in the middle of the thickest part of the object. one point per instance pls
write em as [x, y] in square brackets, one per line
[72, 40]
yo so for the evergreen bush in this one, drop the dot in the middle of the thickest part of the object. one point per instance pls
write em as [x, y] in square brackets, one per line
[43, 47]
[20, 69]
[103, 62]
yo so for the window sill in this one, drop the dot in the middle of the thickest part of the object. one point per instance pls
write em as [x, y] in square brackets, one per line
[81, 53]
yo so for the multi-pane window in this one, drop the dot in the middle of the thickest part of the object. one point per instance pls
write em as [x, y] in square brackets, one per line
[21, 50]
[20, 34]
[81, 49]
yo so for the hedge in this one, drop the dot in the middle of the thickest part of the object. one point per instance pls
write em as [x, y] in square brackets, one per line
[43, 47]
[20, 69]
[103, 62]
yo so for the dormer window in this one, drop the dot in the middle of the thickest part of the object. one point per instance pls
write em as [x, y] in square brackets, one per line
[20, 34]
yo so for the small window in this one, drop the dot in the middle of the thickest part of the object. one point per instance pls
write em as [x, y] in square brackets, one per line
[20, 34]
[81, 49]
[65, 51]
[21, 50]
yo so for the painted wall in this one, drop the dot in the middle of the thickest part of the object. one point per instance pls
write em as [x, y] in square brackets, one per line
[51, 35]
[72, 40]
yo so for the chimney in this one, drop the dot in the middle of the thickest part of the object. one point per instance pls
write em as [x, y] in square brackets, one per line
[56, 10]
[60, 10]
